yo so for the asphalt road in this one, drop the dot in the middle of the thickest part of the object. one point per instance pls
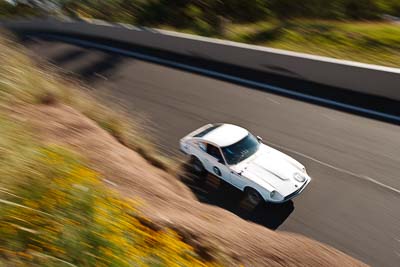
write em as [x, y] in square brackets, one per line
[353, 202]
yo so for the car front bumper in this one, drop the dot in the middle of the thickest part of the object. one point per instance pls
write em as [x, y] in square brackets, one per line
[294, 194]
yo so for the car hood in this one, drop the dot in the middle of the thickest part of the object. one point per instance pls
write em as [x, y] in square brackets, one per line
[273, 170]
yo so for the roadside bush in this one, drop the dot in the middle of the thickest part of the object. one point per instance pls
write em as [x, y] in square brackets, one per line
[6, 9]
[115, 10]
[21, 10]
[197, 21]
[362, 9]
[390, 7]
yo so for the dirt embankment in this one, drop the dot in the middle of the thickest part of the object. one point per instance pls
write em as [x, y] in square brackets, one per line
[168, 202]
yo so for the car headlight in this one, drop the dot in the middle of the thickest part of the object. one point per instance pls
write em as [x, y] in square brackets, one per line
[275, 195]
[299, 177]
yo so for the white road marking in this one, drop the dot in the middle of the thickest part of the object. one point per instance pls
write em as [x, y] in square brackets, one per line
[328, 117]
[225, 76]
[251, 83]
[360, 176]
[101, 76]
[273, 101]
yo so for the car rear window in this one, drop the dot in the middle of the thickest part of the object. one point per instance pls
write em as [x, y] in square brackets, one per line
[206, 131]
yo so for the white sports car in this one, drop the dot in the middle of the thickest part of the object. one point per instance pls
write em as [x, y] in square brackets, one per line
[235, 155]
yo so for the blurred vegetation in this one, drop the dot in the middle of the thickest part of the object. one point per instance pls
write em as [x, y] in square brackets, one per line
[359, 30]
[54, 210]
[8, 10]
[375, 43]
[184, 13]
[23, 81]
[197, 13]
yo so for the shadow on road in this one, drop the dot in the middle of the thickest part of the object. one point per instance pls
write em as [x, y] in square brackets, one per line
[80, 62]
[67, 56]
[102, 67]
[216, 192]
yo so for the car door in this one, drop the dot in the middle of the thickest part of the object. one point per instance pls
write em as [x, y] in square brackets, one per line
[215, 163]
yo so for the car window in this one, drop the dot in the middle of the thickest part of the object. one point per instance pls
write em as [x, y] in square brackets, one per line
[202, 146]
[241, 150]
[214, 151]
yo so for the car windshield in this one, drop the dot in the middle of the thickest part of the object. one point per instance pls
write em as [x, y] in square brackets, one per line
[241, 150]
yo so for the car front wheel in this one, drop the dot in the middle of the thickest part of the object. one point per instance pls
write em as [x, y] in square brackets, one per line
[253, 196]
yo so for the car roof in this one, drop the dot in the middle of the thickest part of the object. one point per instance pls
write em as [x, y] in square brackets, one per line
[226, 135]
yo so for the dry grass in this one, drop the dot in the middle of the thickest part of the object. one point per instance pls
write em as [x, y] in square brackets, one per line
[24, 81]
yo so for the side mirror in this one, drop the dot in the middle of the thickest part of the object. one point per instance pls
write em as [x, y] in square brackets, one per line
[259, 138]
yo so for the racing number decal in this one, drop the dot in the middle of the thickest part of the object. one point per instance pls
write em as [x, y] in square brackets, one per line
[217, 171]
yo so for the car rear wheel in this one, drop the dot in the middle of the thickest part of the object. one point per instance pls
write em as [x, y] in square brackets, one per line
[253, 196]
[198, 168]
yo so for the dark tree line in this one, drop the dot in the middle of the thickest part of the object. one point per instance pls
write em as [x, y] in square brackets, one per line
[199, 13]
